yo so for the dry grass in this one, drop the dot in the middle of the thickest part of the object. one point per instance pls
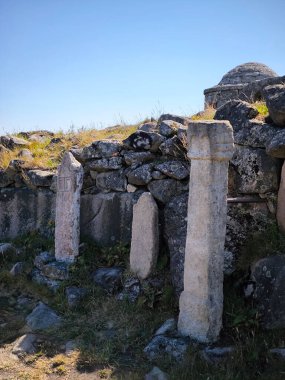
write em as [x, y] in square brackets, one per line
[48, 156]
[207, 114]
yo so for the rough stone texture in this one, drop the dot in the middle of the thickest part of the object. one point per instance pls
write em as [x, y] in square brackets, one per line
[175, 226]
[178, 119]
[7, 249]
[275, 147]
[40, 279]
[243, 220]
[145, 236]
[275, 101]
[42, 318]
[25, 154]
[236, 112]
[131, 290]
[39, 178]
[24, 210]
[165, 189]
[105, 164]
[256, 172]
[133, 158]
[280, 215]
[42, 259]
[69, 183]
[5, 179]
[160, 345]
[247, 72]
[24, 345]
[173, 147]
[201, 302]
[174, 169]
[112, 181]
[244, 82]
[144, 141]
[279, 352]
[11, 142]
[56, 270]
[107, 218]
[268, 276]
[109, 279]
[168, 327]
[256, 134]
[150, 126]
[168, 128]
[100, 149]
[140, 175]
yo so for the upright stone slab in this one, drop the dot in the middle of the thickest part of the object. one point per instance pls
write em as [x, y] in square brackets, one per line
[280, 215]
[145, 236]
[201, 302]
[69, 183]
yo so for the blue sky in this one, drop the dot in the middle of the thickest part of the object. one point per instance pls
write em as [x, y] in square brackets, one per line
[100, 62]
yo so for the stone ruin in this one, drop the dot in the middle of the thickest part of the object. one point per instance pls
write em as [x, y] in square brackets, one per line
[136, 191]
[244, 82]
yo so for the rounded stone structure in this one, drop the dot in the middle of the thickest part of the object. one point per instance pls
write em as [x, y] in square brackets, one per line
[244, 82]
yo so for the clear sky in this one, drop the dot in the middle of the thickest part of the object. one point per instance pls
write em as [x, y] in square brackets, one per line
[100, 62]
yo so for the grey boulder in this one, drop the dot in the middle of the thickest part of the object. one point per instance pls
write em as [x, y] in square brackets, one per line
[42, 318]
[275, 100]
[140, 175]
[276, 147]
[144, 141]
[39, 178]
[112, 181]
[174, 169]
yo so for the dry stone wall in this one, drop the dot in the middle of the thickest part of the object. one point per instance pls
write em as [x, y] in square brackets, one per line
[153, 159]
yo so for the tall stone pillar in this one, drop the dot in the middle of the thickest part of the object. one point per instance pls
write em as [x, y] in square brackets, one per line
[67, 215]
[201, 303]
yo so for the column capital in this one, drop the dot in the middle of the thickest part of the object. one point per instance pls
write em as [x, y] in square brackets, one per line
[210, 140]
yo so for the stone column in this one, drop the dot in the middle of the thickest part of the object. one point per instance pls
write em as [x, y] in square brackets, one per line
[69, 184]
[201, 303]
[145, 236]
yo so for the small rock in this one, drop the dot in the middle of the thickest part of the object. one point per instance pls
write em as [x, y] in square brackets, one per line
[105, 164]
[112, 181]
[164, 189]
[109, 279]
[173, 147]
[7, 249]
[237, 112]
[168, 128]
[131, 188]
[174, 169]
[42, 318]
[216, 354]
[17, 269]
[101, 149]
[169, 326]
[144, 141]
[57, 270]
[40, 279]
[280, 352]
[74, 295]
[177, 119]
[25, 153]
[133, 158]
[39, 178]
[275, 100]
[156, 374]
[276, 146]
[131, 291]
[42, 259]
[141, 175]
[161, 345]
[70, 347]
[150, 126]
[11, 142]
[25, 345]
[156, 174]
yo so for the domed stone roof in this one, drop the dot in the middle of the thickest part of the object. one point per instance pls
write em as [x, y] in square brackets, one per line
[246, 73]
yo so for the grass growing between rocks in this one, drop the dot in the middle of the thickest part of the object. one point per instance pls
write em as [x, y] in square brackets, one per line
[110, 335]
[47, 155]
